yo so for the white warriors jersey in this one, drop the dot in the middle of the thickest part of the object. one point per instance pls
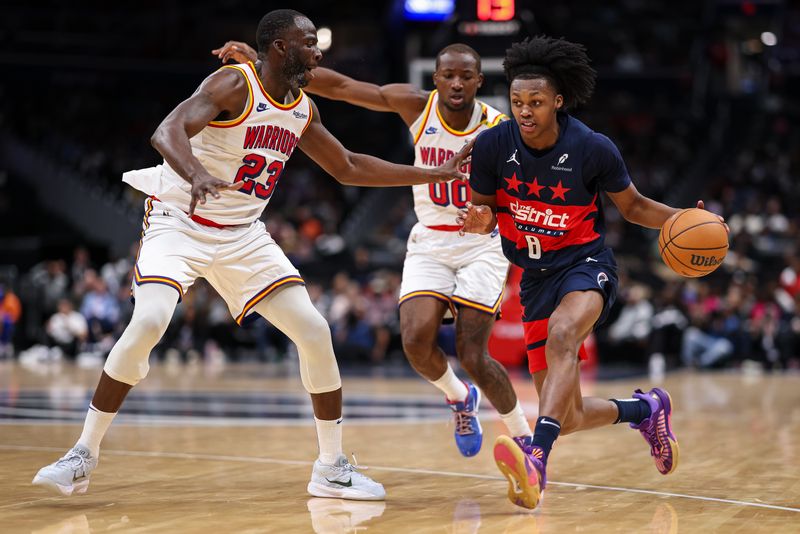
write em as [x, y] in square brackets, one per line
[252, 148]
[435, 142]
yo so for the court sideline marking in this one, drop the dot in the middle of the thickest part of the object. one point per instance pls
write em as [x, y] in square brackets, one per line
[253, 459]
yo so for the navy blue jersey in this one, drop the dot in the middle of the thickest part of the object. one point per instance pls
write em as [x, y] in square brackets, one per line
[548, 206]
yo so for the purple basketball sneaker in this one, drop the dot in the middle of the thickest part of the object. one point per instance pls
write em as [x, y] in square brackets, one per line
[469, 434]
[524, 468]
[657, 429]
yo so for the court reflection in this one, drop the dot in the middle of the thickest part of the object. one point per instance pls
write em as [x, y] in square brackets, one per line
[334, 516]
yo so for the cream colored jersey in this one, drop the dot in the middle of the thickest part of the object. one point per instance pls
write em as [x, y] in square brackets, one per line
[435, 142]
[252, 148]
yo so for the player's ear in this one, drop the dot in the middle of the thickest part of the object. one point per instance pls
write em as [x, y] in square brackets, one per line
[279, 45]
[480, 80]
[559, 102]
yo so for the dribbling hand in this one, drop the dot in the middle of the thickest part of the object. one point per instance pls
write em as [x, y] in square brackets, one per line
[701, 206]
[237, 51]
[208, 185]
[449, 170]
[474, 219]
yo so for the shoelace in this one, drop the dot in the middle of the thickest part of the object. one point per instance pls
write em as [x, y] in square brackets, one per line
[464, 423]
[74, 461]
[354, 467]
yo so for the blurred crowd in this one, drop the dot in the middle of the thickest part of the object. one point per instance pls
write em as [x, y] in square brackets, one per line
[77, 309]
[699, 108]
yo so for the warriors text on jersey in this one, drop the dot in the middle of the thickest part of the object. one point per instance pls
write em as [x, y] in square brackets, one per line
[434, 143]
[253, 148]
[548, 207]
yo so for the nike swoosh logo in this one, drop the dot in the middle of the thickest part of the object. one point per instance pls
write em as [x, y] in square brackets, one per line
[344, 484]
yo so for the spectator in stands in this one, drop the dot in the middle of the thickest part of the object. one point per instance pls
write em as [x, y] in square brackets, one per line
[100, 309]
[10, 312]
[67, 329]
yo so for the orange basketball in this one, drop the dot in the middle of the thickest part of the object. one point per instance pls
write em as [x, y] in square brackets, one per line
[693, 242]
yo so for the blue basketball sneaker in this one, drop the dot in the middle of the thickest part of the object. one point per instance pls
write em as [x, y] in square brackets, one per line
[469, 434]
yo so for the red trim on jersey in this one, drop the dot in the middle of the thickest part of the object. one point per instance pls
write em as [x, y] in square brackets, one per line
[266, 94]
[445, 227]
[202, 220]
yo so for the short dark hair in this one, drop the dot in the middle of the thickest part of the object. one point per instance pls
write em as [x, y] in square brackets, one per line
[561, 62]
[459, 48]
[273, 24]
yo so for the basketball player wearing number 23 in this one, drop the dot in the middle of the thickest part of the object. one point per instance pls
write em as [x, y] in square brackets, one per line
[539, 178]
[224, 150]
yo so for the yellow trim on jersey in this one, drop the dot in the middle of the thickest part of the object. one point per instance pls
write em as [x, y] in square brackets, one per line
[266, 94]
[140, 280]
[467, 132]
[478, 306]
[426, 113]
[264, 293]
[310, 116]
[429, 293]
[496, 121]
[238, 120]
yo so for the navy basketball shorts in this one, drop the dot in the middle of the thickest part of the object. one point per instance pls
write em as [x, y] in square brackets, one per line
[541, 295]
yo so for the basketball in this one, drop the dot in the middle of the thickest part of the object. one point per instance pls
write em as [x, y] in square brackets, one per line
[693, 242]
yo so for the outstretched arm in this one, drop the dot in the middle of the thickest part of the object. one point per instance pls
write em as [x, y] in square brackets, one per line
[350, 168]
[639, 209]
[221, 96]
[401, 98]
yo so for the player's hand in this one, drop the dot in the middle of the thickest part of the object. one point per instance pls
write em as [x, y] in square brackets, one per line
[474, 219]
[449, 170]
[204, 185]
[701, 206]
[237, 51]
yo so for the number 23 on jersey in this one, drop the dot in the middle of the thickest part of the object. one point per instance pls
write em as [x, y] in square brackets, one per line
[253, 167]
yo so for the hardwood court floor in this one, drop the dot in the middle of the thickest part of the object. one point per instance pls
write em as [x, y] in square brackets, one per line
[230, 450]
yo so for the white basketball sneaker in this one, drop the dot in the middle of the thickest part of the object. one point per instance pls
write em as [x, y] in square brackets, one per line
[70, 474]
[342, 481]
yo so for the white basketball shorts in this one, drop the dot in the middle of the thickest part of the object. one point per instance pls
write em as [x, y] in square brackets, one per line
[467, 270]
[242, 263]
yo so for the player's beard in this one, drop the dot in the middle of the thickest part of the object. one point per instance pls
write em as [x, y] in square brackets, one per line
[294, 70]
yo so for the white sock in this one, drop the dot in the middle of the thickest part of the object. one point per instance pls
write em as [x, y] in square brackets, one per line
[94, 429]
[516, 423]
[329, 436]
[453, 388]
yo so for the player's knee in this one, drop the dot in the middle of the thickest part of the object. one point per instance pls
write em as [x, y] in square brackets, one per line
[315, 326]
[561, 338]
[471, 358]
[149, 327]
[416, 344]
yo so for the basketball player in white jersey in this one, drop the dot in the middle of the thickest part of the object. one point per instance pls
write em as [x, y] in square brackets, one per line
[224, 151]
[442, 271]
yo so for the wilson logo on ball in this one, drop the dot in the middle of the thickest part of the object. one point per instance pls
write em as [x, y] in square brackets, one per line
[705, 261]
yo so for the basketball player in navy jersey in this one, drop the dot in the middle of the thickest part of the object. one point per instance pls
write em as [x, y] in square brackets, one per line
[441, 271]
[539, 178]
